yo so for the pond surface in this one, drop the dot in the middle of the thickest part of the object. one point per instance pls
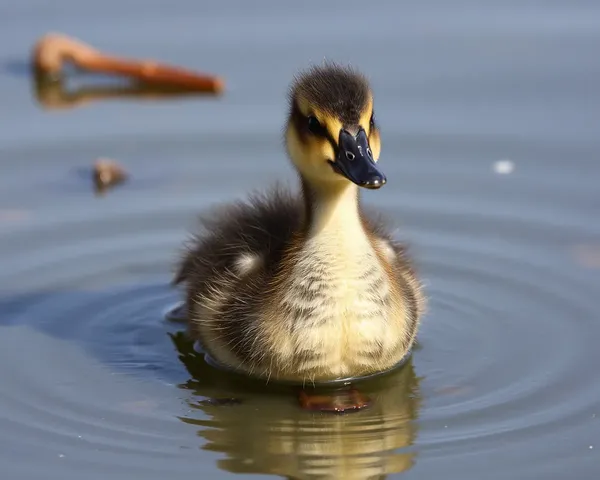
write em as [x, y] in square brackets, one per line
[490, 114]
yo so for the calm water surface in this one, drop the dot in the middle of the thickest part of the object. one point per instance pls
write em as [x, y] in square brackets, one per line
[96, 384]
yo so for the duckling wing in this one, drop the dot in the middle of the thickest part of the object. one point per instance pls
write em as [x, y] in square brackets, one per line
[258, 228]
[380, 228]
[398, 256]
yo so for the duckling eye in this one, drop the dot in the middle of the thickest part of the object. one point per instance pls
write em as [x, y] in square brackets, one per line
[315, 126]
[372, 120]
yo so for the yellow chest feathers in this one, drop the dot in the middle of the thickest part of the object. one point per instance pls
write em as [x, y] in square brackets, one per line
[339, 309]
[335, 283]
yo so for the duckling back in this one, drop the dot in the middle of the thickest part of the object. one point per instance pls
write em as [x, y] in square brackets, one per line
[228, 270]
[240, 238]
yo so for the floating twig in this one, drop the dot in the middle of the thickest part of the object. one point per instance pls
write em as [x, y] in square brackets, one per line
[53, 50]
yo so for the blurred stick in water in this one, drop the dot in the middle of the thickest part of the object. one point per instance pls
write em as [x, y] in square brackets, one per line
[53, 50]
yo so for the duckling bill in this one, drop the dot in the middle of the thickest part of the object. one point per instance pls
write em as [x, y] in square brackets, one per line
[308, 286]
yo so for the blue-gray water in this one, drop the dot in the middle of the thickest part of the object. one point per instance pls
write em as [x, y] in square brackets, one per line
[505, 383]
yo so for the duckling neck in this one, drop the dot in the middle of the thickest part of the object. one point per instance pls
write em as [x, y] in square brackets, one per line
[333, 212]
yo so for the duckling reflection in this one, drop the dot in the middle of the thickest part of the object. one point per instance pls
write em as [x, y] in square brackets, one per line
[262, 431]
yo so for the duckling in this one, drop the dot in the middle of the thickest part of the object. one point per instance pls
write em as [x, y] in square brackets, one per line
[308, 286]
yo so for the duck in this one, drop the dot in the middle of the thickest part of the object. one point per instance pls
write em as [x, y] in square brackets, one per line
[307, 285]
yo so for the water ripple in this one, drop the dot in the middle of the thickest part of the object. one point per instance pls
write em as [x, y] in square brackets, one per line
[504, 381]
[506, 331]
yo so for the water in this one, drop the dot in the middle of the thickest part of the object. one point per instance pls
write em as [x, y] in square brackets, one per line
[505, 383]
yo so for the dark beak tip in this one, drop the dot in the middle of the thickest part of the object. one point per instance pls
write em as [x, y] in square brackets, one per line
[375, 183]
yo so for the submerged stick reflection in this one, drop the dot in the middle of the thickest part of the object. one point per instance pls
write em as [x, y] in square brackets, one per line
[54, 93]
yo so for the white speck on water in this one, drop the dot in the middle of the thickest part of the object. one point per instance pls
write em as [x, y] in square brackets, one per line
[591, 447]
[504, 167]
[60, 455]
[79, 436]
[445, 426]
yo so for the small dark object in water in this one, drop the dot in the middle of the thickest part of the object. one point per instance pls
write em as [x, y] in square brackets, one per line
[220, 402]
[107, 174]
[336, 401]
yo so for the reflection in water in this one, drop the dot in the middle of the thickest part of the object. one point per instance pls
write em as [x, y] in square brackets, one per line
[53, 94]
[262, 430]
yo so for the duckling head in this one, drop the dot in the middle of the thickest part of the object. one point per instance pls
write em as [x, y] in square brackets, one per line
[331, 135]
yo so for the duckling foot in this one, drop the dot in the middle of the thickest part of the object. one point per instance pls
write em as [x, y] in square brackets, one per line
[339, 401]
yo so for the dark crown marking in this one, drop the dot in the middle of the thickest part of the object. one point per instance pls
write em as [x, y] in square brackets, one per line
[337, 90]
